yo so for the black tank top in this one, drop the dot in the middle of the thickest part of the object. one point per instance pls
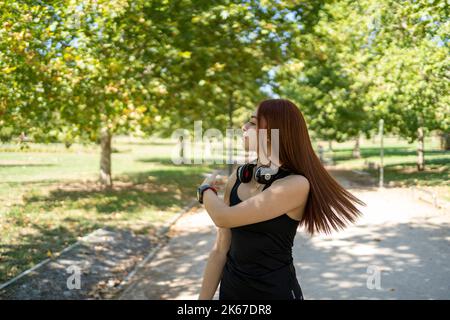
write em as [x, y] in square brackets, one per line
[259, 262]
[265, 246]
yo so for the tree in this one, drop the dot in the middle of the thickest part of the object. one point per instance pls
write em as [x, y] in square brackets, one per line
[121, 66]
[370, 60]
[410, 74]
[326, 78]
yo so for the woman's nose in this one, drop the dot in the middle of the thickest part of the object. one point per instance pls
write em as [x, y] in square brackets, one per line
[246, 126]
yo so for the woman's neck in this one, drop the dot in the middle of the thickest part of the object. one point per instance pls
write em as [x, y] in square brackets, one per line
[267, 163]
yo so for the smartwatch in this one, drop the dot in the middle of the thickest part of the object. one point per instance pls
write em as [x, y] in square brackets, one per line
[202, 189]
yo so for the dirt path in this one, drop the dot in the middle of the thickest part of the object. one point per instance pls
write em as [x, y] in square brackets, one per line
[399, 249]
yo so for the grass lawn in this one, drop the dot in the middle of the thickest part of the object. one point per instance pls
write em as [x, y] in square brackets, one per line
[399, 163]
[49, 195]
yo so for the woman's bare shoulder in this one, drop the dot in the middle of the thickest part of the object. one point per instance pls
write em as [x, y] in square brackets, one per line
[294, 180]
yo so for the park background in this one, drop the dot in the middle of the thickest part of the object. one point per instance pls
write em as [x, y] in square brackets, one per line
[91, 91]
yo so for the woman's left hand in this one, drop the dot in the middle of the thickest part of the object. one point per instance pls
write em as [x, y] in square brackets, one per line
[214, 180]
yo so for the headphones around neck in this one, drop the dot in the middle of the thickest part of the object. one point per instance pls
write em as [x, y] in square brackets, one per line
[263, 174]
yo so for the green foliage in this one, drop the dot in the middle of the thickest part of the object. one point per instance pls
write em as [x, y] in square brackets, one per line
[367, 60]
[73, 67]
[26, 92]
[410, 75]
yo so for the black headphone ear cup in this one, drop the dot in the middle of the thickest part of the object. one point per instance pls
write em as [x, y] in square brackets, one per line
[264, 176]
[239, 173]
[259, 177]
[245, 172]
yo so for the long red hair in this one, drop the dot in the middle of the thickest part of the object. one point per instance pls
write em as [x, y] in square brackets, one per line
[329, 206]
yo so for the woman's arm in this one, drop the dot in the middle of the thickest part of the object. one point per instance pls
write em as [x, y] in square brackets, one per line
[283, 195]
[215, 264]
[218, 255]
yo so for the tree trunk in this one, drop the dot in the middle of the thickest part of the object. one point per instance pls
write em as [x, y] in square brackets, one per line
[420, 150]
[330, 145]
[356, 149]
[445, 140]
[105, 158]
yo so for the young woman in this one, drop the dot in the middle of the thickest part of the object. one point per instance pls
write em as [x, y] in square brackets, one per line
[257, 220]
